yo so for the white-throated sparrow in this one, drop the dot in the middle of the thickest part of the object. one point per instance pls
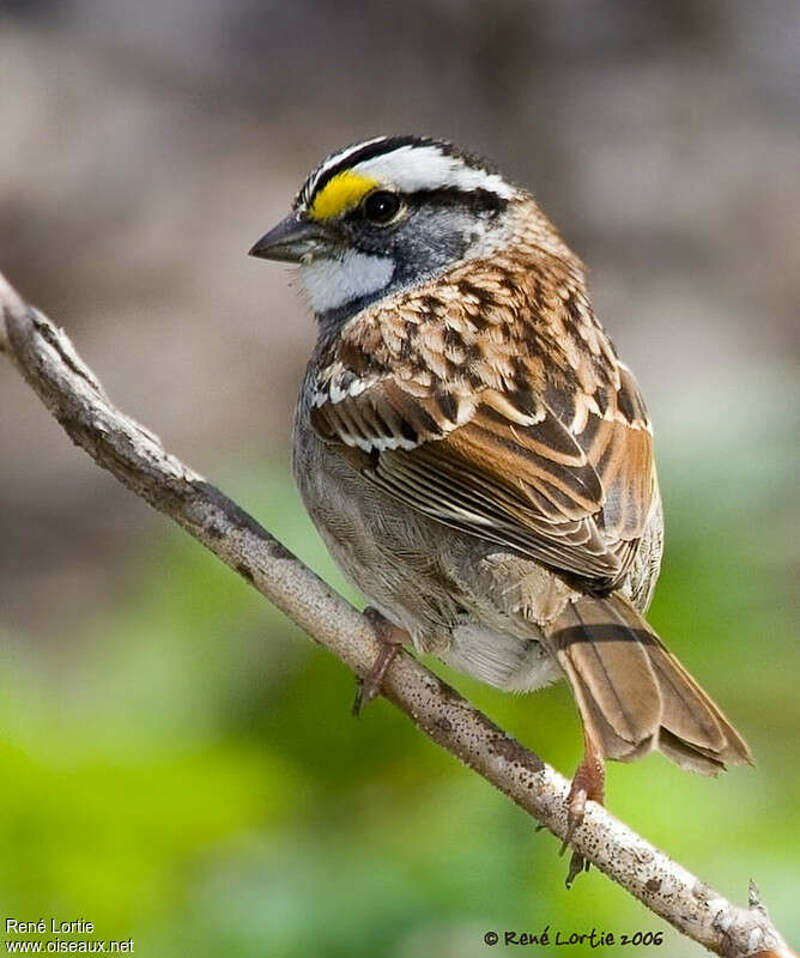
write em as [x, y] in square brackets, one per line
[475, 455]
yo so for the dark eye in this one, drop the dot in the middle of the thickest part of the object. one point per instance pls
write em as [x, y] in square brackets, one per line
[381, 206]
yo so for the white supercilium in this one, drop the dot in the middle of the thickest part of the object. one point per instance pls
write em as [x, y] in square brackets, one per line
[411, 168]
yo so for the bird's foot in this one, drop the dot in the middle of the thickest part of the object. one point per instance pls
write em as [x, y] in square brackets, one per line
[391, 639]
[589, 784]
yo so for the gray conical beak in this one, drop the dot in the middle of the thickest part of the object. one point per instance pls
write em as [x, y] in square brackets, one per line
[291, 241]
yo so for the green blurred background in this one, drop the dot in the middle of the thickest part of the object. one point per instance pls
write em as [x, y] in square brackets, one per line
[178, 764]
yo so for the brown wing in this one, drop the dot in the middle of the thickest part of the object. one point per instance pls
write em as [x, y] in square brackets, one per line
[503, 413]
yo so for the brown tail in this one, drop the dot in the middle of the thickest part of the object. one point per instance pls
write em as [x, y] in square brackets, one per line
[633, 695]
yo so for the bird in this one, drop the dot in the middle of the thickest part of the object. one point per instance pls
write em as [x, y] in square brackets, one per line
[476, 456]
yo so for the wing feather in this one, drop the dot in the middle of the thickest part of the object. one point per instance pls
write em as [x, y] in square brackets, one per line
[507, 416]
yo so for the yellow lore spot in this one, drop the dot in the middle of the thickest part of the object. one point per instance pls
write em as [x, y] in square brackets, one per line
[342, 193]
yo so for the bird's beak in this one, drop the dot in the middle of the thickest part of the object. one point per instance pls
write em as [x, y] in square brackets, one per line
[293, 240]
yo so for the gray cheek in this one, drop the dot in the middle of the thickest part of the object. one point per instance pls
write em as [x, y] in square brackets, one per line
[380, 262]
[428, 242]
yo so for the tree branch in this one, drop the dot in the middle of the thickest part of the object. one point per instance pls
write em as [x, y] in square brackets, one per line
[70, 390]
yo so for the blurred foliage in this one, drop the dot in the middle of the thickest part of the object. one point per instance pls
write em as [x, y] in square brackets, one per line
[186, 771]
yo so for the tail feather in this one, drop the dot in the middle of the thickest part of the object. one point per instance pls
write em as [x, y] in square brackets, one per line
[631, 707]
[597, 727]
[633, 695]
[689, 757]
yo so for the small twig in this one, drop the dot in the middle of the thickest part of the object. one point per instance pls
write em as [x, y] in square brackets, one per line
[70, 390]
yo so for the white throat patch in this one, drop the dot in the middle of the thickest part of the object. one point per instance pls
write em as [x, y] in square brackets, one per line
[331, 283]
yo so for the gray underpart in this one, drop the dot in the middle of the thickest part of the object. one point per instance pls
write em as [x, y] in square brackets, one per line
[500, 659]
[480, 610]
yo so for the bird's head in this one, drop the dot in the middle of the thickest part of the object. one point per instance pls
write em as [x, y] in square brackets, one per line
[385, 214]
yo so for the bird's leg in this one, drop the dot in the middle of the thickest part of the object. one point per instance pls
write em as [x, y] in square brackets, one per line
[589, 783]
[391, 639]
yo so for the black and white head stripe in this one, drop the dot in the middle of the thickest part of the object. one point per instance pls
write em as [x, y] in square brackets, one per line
[407, 164]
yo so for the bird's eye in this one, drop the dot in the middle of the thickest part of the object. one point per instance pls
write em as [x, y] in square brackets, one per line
[381, 206]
